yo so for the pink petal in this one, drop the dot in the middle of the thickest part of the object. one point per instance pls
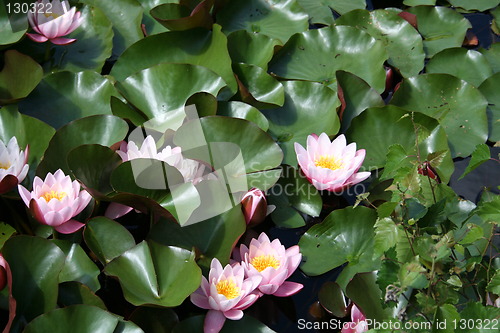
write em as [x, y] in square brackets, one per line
[25, 194]
[268, 289]
[116, 210]
[12, 301]
[36, 211]
[69, 227]
[288, 288]
[356, 314]
[37, 38]
[247, 302]
[214, 321]
[62, 41]
[234, 314]
[199, 300]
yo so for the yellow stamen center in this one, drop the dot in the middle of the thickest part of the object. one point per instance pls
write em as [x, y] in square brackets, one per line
[328, 162]
[260, 263]
[53, 15]
[5, 166]
[53, 194]
[228, 288]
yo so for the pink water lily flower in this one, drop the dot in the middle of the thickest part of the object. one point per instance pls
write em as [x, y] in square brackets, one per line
[52, 21]
[331, 166]
[13, 165]
[55, 201]
[358, 323]
[272, 262]
[255, 207]
[225, 294]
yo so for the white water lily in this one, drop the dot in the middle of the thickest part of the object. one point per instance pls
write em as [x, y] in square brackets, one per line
[13, 165]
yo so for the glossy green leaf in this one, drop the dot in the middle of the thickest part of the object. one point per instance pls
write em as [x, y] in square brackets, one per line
[345, 235]
[257, 87]
[468, 65]
[81, 319]
[480, 155]
[93, 46]
[481, 5]
[247, 324]
[365, 293]
[276, 19]
[126, 16]
[300, 116]
[30, 257]
[489, 89]
[196, 47]
[78, 266]
[245, 111]
[154, 320]
[167, 87]
[370, 131]
[127, 112]
[321, 11]
[64, 96]
[104, 130]
[316, 55]
[332, 299]
[72, 293]
[293, 193]
[441, 27]
[419, 2]
[11, 29]
[357, 95]
[251, 48]
[403, 43]
[27, 130]
[107, 239]
[92, 165]
[178, 17]
[151, 25]
[493, 56]
[151, 273]
[6, 231]
[213, 238]
[452, 102]
[19, 76]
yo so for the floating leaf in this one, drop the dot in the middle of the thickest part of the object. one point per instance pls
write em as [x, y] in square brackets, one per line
[316, 55]
[332, 299]
[178, 17]
[72, 293]
[480, 155]
[251, 48]
[154, 320]
[403, 43]
[481, 6]
[298, 117]
[468, 65]
[241, 110]
[365, 293]
[275, 19]
[489, 89]
[62, 97]
[452, 102]
[247, 324]
[150, 273]
[5, 232]
[11, 29]
[493, 56]
[321, 11]
[441, 27]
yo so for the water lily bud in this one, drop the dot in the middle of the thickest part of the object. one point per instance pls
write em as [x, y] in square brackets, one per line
[13, 165]
[254, 206]
[55, 201]
[331, 166]
[52, 21]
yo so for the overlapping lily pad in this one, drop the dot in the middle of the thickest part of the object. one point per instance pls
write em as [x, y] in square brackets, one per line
[489, 89]
[242, 110]
[475, 5]
[316, 55]
[321, 11]
[251, 48]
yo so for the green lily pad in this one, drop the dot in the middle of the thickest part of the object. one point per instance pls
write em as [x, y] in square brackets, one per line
[78, 266]
[257, 87]
[89, 319]
[357, 95]
[150, 273]
[403, 43]
[154, 320]
[298, 117]
[30, 257]
[213, 238]
[452, 102]
[468, 65]
[151, 25]
[167, 86]
[419, 2]
[27, 130]
[247, 324]
[332, 299]
[321, 11]
[370, 131]
[481, 5]
[251, 48]
[493, 56]
[441, 28]
[6, 231]
[275, 19]
[72, 293]
[126, 16]
[242, 110]
[104, 130]
[12, 29]
[64, 96]
[197, 47]
[19, 76]
[107, 239]
[93, 46]
[489, 88]
[480, 155]
[178, 17]
[345, 235]
[365, 293]
[316, 55]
